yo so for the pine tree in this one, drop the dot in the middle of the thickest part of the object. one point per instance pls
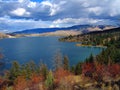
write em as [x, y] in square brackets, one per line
[49, 81]
[58, 60]
[14, 71]
[66, 63]
[78, 69]
[43, 70]
[90, 59]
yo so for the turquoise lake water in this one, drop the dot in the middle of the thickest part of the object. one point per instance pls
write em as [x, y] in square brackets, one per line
[42, 49]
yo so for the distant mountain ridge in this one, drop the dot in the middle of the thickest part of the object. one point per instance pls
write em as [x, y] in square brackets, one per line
[74, 30]
[82, 28]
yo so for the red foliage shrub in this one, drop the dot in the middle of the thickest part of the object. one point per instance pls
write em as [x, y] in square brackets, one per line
[114, 70]
[36, 78]
[60, 73]
[100, 71]
[88, 69]
[1, 81]
[4, 83]
[20, 83]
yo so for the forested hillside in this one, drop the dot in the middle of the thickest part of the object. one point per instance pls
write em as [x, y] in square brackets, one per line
[104, 38]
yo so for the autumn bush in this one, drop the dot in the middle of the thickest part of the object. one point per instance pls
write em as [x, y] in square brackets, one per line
[100, 71]
[36, 78]
[60, 74]
[114, 70]
[20, 83]
[88, 69]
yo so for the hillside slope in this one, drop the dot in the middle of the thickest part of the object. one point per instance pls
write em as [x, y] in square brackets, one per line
[94, 37]
[82, 28]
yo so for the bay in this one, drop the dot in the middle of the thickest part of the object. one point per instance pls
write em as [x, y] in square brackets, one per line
[43, 49]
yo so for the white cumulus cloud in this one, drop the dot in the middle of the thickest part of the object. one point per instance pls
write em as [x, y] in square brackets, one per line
[20, 12]
[32, 4]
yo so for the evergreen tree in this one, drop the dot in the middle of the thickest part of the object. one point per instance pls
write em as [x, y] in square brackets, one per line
[58, 60]
[26, 71]
[72, 69]
[43, 70]
[33, 66]
[14, 71]
[78, 69]
[90, 59]
[66, 63]
[49, 81]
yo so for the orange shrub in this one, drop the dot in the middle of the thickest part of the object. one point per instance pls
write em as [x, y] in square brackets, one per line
[60, 73]
[37, 78]
[20, 83]
[100, 71]
[88, 69]
[114, 70]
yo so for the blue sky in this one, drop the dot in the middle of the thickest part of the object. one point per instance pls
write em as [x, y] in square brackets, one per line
[18, 15]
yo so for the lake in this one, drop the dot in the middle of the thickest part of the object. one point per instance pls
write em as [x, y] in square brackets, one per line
[42, 49]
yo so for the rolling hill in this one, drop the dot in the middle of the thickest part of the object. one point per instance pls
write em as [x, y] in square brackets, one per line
[82, 28]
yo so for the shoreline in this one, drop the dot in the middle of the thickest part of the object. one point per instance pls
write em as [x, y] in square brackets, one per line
[81, 45]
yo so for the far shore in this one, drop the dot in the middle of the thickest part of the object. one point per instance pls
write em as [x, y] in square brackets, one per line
[82, 45]
[56, 33]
